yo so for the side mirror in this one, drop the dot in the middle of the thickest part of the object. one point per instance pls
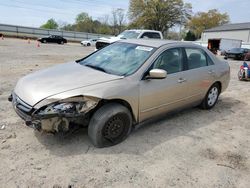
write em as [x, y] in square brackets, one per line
[157, 74]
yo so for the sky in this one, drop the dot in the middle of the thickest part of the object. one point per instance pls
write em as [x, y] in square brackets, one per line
[37, 12]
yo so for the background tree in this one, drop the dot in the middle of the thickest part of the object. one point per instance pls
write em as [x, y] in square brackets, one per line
[206, 20]
[50, 24]
[121, 19]
[158, 14]
[118, 20]
[84, 23]
[114, 22]
[190, 36]
[104, 27]
[82, 17]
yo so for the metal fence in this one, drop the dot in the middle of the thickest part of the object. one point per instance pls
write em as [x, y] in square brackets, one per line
[21, 31]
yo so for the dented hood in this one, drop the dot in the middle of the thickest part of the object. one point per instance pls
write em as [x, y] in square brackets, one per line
[64, 77]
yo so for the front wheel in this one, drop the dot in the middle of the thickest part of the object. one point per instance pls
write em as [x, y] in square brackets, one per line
[211, 97]
[110, 125]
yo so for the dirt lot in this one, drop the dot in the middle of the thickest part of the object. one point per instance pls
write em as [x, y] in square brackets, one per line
[194, 148]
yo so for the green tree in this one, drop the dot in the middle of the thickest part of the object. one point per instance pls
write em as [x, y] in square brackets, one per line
[82, 17]
[206, 20]
[50, 24]
[190, 36]
[158, 14]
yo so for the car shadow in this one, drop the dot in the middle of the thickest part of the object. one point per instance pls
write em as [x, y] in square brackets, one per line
[148, 136]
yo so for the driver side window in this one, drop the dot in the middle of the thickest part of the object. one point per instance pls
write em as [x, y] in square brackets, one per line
[170, 61]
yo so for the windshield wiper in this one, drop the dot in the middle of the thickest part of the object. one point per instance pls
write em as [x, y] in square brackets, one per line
[96, 68]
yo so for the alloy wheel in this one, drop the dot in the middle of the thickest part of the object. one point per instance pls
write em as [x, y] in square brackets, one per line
[212, 96]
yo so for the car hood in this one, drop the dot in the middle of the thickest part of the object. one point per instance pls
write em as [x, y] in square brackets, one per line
[64, 77]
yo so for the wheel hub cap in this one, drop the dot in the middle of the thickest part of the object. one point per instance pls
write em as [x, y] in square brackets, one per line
[114, 128]
[212, 96]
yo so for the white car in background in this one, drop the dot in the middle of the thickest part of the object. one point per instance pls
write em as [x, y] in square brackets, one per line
[90, 42]
[129, 34]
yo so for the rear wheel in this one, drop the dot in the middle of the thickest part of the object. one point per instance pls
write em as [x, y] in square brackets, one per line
[62, 42]
[110, 125]
[211, 97]
[88, 44]
[44, 41]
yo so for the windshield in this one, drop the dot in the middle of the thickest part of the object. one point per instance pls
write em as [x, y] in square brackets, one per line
[129, 34]
[119, 58]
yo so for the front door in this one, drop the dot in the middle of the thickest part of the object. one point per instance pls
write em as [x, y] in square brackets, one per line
[162, 95]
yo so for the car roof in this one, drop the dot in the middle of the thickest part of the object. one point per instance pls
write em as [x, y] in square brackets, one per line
[143, 30]
[156, 43]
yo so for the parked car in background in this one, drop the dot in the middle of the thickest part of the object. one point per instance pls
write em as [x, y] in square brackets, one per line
[119, 86]
[53, 39]
[129, 34]
[237, 53]
[90, 42]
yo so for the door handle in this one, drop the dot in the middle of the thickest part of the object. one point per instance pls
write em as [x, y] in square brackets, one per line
[181, 80]
[211, 72]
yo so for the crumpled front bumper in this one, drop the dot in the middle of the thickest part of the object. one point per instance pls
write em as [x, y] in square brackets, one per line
[47, 123]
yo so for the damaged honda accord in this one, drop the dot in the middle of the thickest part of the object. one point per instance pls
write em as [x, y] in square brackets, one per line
[113, 89]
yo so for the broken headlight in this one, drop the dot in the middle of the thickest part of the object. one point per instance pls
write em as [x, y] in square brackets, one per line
[67, 107]
[58, 108]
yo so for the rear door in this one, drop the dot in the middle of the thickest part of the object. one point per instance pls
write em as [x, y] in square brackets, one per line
[162, 95]
[200, 73]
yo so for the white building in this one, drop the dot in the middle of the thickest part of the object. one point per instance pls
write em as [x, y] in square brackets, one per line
[240, 31]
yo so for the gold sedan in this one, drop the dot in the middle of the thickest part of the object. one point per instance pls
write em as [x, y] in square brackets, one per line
[119, 86]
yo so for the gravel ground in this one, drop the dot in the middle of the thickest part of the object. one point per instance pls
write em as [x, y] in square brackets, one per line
[193, 148]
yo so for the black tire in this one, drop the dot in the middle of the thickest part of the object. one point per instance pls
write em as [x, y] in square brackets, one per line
[211, 99]
[110, 125]
[88, 44]
[62, 42]
[44, 41]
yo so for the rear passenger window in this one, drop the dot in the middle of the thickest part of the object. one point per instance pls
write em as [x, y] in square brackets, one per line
[197, 58]
[151, 35]
[170, 61]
